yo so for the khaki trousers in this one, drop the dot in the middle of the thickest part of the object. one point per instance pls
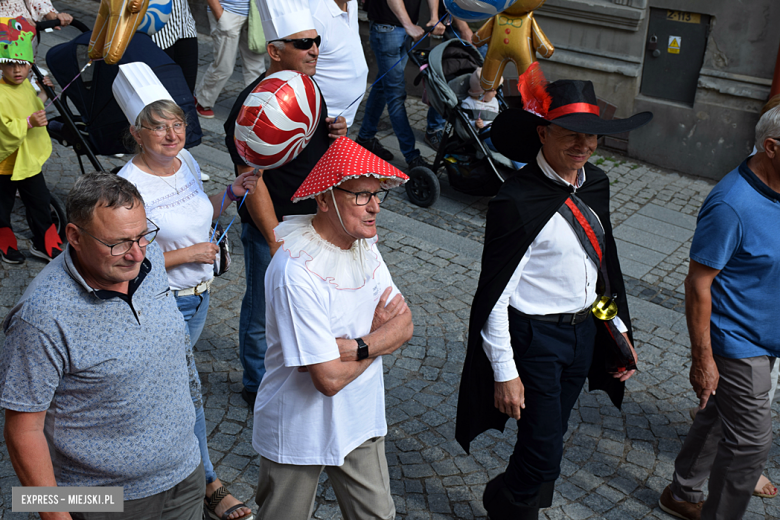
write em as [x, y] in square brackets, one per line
[229, 34]
[184, 501]
[362, 486]
[729, 440]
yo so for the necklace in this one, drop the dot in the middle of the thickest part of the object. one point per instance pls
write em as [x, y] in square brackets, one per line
[175, 188]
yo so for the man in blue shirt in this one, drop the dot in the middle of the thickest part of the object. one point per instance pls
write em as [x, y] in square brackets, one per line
[732, 311]
[96, 373]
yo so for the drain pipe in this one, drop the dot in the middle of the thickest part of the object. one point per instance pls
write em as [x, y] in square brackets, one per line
[776, 79]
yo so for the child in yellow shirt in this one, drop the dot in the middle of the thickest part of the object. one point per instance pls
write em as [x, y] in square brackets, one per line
[24, 146]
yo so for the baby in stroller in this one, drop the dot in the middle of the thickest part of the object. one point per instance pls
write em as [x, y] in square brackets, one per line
[481, 107]
[472, 166]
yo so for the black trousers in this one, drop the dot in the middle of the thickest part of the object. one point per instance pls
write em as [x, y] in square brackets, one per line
[36, 198]
[553, 361]
[185, 53]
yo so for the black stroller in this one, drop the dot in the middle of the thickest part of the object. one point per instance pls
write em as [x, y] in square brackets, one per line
[99, 126]
[471, 166]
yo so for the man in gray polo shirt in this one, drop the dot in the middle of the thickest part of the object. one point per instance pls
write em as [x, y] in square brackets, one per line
[96, 373]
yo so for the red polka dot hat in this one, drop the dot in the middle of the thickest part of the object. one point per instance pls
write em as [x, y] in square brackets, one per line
[344, 160]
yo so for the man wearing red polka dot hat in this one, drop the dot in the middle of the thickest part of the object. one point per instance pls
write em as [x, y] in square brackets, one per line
[328, 322]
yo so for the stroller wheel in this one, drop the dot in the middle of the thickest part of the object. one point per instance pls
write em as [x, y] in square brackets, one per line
[423, 187]
[58, 215]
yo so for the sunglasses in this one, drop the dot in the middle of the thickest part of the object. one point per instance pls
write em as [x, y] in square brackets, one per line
[301, 43]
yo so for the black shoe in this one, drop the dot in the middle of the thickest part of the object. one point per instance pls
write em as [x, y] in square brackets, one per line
[434, 139]
[418, 161]
[12, 256]
[55, 252]
[249, 397]
[376, 148]
[501, 505]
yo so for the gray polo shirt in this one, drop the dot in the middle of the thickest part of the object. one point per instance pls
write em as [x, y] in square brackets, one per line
[112, 375]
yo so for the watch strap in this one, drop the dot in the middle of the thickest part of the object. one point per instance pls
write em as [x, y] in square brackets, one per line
[362, 350]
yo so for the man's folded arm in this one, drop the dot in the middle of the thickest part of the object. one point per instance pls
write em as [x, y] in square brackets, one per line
[332, 376]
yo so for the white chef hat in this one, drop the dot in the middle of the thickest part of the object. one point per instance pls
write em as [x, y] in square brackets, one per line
[281, 18]
[135, 87]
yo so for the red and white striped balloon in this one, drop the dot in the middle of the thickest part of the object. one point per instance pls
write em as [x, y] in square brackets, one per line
[278, 119]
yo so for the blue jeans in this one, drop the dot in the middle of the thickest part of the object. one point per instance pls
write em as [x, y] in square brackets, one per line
[194, 308]
[200, 433]
[387, 42]
[435, 122]
[251, 324]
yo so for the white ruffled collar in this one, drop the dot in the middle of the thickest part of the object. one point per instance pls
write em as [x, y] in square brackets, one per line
[346, 269]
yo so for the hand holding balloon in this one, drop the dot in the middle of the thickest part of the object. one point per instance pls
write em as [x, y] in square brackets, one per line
[336, 127]
[245, 183]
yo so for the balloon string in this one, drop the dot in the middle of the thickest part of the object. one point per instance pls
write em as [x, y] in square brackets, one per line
[402, 58]
[55, 98]
[224, 233]
[458, 36]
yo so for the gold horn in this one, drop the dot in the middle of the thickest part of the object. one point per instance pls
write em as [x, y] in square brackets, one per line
[605, 308]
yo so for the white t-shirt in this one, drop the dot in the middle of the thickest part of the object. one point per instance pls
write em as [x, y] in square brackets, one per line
[295, 423]
[481, 110]
[182, 210]
[341, 67]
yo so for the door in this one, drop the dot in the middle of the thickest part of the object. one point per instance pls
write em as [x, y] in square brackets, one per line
[674, 53]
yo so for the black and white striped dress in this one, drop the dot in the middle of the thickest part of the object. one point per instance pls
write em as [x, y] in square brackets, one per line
[180, 25]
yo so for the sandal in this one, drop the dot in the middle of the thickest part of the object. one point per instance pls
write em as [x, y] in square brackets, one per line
[766, 495]
[216, 497]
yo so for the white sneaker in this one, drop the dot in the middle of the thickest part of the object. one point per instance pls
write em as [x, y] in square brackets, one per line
[55, 252]
[204, 177]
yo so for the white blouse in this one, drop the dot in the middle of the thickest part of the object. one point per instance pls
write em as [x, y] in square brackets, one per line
[183, 212]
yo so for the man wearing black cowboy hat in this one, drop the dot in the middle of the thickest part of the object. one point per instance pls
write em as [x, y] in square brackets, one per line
[549, 253]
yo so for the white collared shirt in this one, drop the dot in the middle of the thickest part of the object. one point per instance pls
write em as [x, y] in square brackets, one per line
[554, 276]
[341, 67]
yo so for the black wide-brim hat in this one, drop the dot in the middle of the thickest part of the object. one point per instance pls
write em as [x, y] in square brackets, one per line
[573, 106]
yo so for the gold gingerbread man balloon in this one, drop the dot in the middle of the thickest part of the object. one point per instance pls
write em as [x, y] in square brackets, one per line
[116, 22]
[512, 35]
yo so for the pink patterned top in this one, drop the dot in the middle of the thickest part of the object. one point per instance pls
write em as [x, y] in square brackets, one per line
[34, 10]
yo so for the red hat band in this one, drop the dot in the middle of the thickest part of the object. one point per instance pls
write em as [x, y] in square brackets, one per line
[572, 108]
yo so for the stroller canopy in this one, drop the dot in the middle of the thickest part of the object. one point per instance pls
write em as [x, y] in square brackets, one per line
[448, 63]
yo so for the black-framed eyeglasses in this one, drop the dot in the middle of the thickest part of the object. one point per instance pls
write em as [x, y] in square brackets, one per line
[161, 129]
[301, 43]
[121, 248]
[364, 197]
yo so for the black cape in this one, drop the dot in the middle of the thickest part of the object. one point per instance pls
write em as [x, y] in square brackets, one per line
[517, 214]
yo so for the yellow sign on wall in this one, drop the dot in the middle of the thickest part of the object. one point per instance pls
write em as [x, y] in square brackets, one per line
[682, 16]
[674, 44]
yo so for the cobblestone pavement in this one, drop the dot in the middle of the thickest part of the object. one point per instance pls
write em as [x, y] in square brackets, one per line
[615, 463]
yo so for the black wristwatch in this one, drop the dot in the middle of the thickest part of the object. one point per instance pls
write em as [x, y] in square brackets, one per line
[362, 349]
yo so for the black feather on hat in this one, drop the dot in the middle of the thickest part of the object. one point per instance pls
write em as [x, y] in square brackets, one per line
[570, 104]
